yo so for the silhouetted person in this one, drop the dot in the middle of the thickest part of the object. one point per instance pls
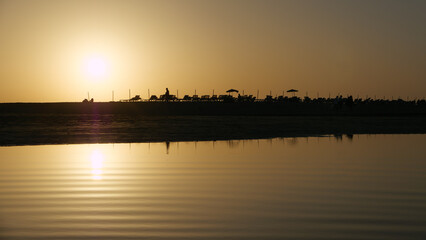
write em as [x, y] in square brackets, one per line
[167, 95]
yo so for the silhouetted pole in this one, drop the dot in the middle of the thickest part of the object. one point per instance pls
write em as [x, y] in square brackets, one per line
[213, 92]
[243, 92]
[195, 93]
[329, 94]
[129, 95]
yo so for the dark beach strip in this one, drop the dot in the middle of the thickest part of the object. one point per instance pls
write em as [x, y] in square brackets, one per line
[73, 123]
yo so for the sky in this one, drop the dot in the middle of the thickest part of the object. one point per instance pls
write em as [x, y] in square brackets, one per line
[54, 51]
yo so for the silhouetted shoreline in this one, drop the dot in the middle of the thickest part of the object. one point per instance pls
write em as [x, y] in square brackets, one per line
[123, 122]
[199, 108]
[37, 129]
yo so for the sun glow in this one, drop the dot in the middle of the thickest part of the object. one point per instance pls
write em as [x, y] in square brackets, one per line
[96, 67]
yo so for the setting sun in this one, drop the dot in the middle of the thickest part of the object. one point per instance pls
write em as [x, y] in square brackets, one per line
[96, 67]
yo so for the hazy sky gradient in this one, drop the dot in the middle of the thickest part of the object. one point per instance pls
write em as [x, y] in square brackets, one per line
[349, 47]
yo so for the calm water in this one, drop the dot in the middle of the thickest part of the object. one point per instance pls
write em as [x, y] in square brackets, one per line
[365, 187]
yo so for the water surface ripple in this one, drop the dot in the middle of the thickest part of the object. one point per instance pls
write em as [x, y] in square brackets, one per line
[355, 187]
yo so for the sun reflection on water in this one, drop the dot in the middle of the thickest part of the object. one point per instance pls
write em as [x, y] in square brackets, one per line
[97, 159]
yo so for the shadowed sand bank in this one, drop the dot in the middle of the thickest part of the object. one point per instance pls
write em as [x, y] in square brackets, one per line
[34, 129]
[199, 108]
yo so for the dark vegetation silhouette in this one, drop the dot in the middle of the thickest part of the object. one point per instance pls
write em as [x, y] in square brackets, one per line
[288, 105]
[218, 117]
[231, 103]
[338, 103]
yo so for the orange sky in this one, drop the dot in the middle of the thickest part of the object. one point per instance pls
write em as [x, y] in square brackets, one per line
[60, 50]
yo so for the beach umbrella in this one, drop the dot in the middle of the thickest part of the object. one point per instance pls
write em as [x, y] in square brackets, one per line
[232, 90]
[293, 91]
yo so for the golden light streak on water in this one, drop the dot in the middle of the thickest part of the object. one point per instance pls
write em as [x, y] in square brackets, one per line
[97, 158]
[354, 187]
